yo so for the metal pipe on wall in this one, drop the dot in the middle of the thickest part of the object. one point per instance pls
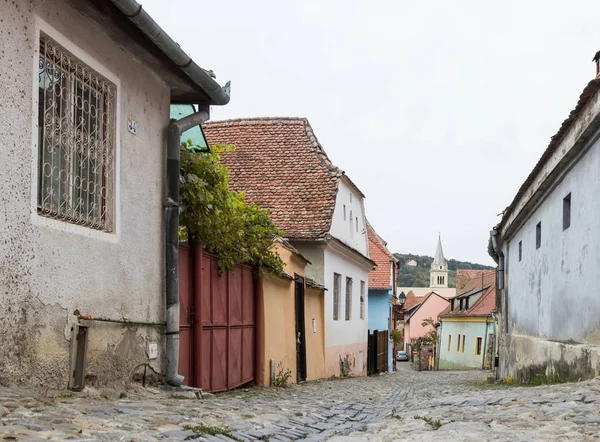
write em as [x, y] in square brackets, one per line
[174, 131]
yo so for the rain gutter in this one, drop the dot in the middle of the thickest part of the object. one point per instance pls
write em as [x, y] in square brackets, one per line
[134, 12]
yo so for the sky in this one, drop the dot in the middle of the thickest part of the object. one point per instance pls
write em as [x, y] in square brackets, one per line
[437, 110]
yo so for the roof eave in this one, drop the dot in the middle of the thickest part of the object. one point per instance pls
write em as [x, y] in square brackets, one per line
[570, 140]
[136, 30]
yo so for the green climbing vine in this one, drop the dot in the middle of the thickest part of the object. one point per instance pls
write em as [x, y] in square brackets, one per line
[234, 230]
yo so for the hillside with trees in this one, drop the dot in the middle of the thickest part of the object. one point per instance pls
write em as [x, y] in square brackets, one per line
[419, 276]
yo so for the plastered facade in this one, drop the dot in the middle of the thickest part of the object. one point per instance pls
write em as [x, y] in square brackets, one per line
[50, 269]
[345, 339]
[550, 321]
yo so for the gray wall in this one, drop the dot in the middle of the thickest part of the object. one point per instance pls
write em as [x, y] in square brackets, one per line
[553, 291]
[46, 273]
[552, 325]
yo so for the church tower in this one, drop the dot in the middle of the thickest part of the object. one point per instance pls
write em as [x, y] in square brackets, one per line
[439, 268]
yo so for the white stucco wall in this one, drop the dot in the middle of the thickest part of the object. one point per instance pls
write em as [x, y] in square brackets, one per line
[46, 272]
[341, 336]
[314, 253]
[345, 230]
[553, 290]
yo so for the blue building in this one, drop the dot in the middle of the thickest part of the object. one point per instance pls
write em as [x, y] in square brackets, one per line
[382, 289]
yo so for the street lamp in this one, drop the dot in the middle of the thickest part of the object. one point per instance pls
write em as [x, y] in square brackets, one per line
[402, 298]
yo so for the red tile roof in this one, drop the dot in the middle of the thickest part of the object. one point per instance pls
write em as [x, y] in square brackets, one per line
[280, 165]
[380, 277]
[485, 304]
[411, 300]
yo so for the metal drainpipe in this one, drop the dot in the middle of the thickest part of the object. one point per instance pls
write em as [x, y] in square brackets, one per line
[500, 254]
[174, 132]
[485, 344]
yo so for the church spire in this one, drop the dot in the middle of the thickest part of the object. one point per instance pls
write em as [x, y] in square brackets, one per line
[439, 267]
[439, 259]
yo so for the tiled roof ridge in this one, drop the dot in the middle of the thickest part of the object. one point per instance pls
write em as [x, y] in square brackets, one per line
[249, 121]
[379, 242]
[316, 226]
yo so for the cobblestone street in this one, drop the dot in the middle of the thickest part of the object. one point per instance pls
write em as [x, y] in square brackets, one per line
[405, 405]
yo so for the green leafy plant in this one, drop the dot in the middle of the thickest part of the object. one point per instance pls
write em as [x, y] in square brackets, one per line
[282, 377]
[396, 337]
[435, 424]
[202, 430]
[235, 231]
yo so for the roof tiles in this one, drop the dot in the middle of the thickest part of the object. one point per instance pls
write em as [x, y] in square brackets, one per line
[280, 165]
[380, 277]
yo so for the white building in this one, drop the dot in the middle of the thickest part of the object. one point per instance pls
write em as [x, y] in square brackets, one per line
[280, 165]
[547, 247]
[85, 89]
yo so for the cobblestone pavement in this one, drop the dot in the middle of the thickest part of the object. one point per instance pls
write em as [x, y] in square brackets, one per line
[405, 405]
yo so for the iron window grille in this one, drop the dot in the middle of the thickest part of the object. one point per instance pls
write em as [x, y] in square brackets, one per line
[76, 140]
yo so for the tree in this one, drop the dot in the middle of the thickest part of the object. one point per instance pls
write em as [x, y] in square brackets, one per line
[237, 232]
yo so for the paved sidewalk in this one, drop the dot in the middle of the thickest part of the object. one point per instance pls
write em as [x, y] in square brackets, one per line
[405, 405]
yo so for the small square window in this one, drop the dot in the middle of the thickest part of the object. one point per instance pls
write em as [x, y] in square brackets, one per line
[538, 235]
[520, 250]
[567, 212]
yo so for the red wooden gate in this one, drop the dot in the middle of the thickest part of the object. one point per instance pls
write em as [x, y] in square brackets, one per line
[217, 322]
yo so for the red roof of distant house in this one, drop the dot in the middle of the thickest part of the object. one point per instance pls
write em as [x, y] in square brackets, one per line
[280, 165]
[411, 300]
[380, 277]
[484, 280]
[418, 305]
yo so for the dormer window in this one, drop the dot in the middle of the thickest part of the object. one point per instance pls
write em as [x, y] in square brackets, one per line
[461, 304]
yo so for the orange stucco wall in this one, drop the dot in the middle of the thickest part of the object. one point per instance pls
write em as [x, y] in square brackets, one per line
[278, 324]
[315, 337]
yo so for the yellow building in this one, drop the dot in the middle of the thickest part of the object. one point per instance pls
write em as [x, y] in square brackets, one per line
[290, 322]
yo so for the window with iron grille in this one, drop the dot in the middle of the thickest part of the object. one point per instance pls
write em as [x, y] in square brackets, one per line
[362, 300]
[348, 298]
[337, 278]
[76, 140]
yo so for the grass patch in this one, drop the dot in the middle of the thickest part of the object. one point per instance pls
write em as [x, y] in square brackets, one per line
[65, 395]
[435, 423]
[211, 431]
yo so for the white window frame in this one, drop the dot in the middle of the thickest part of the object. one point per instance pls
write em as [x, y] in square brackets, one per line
[337, 288]
[348, 303]
[42, 27]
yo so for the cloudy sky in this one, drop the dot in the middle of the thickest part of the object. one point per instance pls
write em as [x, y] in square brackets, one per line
[437, 110]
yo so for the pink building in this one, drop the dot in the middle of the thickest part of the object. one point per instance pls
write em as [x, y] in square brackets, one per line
[430, 307]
